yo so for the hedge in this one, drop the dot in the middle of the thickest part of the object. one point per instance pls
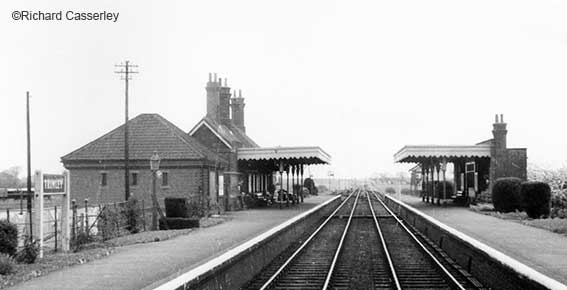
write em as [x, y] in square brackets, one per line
[176, 207]
[390, 190]
[506, 194]
[8, 238]
[536, 197]
[179, 223]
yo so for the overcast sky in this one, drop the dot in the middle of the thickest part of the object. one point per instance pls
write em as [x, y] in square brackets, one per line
[359, 78]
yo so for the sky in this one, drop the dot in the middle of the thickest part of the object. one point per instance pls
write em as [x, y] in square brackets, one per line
[360, 79]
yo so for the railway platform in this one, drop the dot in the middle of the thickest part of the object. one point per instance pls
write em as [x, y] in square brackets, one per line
[539, 249]
[145, 265]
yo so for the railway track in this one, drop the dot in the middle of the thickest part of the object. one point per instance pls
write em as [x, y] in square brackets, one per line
[363, 245]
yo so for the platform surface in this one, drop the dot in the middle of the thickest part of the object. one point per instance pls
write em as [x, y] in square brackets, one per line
[542, 250]
[139, 266]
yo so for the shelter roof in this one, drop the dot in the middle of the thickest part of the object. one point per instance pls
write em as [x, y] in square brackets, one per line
[147, 133]
[418, 153]
[291, 155]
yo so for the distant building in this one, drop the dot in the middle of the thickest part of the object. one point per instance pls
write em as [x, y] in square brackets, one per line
[475, 167]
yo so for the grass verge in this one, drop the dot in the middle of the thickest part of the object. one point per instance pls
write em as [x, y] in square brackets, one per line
[556, 225]
[54, 261]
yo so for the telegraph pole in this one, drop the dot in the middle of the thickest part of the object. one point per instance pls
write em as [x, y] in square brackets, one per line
[125, 70]
[29, 163]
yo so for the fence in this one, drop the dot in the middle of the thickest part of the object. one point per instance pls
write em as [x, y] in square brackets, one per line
[89, 223]
[106, 221]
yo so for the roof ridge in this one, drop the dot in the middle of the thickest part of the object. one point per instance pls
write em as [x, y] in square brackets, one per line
[205, 152]
[169, 125]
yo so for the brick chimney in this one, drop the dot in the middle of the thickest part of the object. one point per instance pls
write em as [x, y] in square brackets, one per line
[499, 132]
[498, 153]
[224, 104]
[237, 107]
[213, 88]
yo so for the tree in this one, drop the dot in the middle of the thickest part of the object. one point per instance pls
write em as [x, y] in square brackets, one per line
[9, 178]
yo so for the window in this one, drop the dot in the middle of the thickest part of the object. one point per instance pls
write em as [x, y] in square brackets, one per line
[164, 179]
[134, 179]
[103, 179]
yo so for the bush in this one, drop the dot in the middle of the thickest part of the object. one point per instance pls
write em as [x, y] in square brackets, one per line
[8, 238]
[28, 254]
[390, 190]
[109, 223]
[6, 264]
[535, 196]
[439, 189]
[81, 239]
[506, 194]
[198, 207]
[406, 191]
[310, 184]
[176, 207]
[177, 223]
[559, 203]
[315, 191]
[133, 215]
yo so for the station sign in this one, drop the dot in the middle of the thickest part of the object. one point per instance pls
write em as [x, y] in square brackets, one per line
[53, 183]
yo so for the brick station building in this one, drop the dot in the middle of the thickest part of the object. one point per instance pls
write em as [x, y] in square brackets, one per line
[475, 167]
[215, 160]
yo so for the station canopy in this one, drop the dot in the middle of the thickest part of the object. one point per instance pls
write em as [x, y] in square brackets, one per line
[269, 158]
[424, 153]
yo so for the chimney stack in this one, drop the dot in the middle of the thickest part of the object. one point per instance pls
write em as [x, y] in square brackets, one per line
[499, 132]
[213, 98]
[224, 103]
[237, 107]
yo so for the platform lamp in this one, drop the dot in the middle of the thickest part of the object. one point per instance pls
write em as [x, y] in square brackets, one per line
[154, 167]
[444, 169]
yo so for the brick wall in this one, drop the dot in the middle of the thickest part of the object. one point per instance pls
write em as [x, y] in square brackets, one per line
[518, 163]
[183, 182]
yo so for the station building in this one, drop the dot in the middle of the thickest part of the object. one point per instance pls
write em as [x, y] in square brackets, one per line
[215, 160]
[474, 167]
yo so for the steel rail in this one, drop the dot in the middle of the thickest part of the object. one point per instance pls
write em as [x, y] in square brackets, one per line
[423, 248]
[383, 241]
[292, 257]
[341, 242]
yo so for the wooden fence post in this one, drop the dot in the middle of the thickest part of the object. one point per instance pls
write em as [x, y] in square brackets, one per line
[87, 217]
[144, 214]
[55, 226]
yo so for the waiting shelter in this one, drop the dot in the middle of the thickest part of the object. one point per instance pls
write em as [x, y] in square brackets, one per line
[260, 167]
[474, 167]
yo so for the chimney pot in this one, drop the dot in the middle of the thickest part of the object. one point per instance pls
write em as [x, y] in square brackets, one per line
[215, 77]
[225, 82]
[210, 76]
[240, 93]
[496, 118]
[501, 118]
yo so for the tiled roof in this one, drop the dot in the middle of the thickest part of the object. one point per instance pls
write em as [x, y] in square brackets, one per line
[230, 133]
[242, 137]
[147, 133]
